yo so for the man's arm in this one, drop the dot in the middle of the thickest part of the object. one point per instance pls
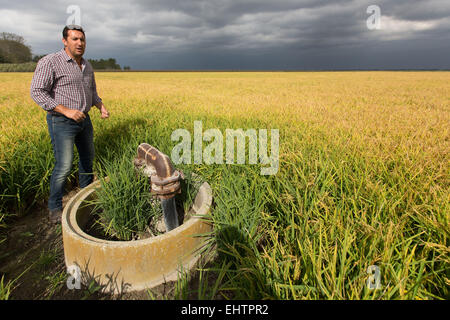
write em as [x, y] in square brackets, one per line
[103, 111]
[70, 113]
[41, 86]
[98, 102]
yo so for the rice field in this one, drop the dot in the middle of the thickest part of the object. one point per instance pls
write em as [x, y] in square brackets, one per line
[363, 175]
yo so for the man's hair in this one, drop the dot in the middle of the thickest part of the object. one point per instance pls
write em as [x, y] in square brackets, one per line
[71, 27]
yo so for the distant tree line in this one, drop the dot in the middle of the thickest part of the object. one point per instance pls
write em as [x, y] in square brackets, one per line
[105, 64]
[13, 50]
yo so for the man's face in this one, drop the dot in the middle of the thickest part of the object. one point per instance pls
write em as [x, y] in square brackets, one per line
[75, 43]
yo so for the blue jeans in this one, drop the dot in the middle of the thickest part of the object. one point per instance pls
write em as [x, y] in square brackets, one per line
[64, 133]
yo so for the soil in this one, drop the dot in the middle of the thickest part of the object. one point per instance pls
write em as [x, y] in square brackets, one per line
[33, 257]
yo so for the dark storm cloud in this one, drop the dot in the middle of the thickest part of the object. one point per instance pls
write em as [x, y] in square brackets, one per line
[220, 34]
[417, 10]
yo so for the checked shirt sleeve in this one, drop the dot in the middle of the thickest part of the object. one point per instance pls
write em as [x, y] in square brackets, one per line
[95, 98]
[42, 84]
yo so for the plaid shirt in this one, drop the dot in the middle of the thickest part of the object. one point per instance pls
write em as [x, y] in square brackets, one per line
[59, 80]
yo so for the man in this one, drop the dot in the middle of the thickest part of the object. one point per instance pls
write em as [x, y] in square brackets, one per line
[64, 85]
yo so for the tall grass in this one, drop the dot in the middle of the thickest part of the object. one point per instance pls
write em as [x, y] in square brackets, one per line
[316, 232]
[123, 202]
[363, 176]
[18, 67]
[125, 207]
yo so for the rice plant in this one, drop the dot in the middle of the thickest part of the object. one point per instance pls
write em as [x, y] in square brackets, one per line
[124, 204]
[125, 207]
[363, 178]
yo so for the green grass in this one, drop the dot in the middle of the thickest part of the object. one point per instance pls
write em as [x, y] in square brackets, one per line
[18, 67]
[125, 207]
[311, 231]
[6, 288]
[123, 202]
[363, 177]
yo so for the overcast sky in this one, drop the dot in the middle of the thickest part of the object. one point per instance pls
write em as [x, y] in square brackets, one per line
[248, 34]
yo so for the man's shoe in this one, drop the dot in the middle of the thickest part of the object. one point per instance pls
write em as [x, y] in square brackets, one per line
[55, 216]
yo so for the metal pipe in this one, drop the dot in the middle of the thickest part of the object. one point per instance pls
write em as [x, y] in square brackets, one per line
[160, 161]
[164, 178]
[170, 213]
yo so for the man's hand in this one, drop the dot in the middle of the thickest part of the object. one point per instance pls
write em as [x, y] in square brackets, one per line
[76, 115]
[103, 111]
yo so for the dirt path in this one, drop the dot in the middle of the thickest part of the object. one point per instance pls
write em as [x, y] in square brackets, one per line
[33, 254]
